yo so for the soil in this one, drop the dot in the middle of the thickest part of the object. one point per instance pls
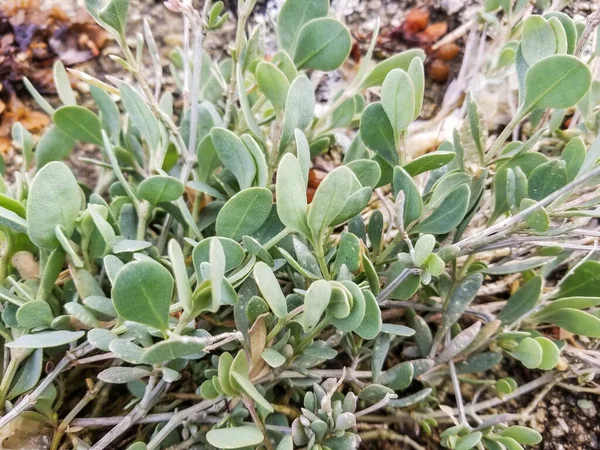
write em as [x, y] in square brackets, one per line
[568, 420]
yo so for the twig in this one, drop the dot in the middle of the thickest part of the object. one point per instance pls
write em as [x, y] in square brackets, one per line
[432, 308]
[380, 404]
[249, 404]
[29, 400]
[471, 241]
[151, 396]
[383, 434]
[456, 386]
[391, 287]
[590, 24]
[176, 419]
[453, 35]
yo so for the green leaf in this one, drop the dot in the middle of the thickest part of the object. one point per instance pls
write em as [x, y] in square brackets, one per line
[171, 349]
[235, 437]
[479, 362]
[234, 253]
[413, 204]
[28, 375]
[53, 146]
[46, 339]
[131, 246]
[353, 320]
[101, 338]
[270, 290]
[523, 435]
[112, 13]
[234, 155]
[244, 213]
[377, 133]
[550, 353]
[568, 302]
[411, 399]
[371, 323]
[348, 253]
[142, 293]
[423, 248]
[273, 358]
[81, 314]
[291, 192]
[469, 441]
[316, 302]
[416, 72]
[109, 112]
[518, 266]
[448, 215]
[575, 321]
[63, 85]
[323, 44]
[123, 375]
[539, 220]
[558, 81]
[54, 200]
[546, 179]
[429, 161]
[160, 189]
[529, 352]
[585, 279]
[292, 17]
[573, 155]
[299, 109]
[12, 220]
[180, 273]
[217, 274]
[79, 123]
[522, 301]
[126, 350]
[249, 389]
[568, 26]
[326, 204]
[273, 83]
[398, 100]
[538, 39]
[41, 101]
[459, 299]
[399, 61]
[367, 172]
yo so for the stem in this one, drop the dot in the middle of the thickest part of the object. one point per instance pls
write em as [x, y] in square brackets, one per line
[259, 423]
[278, 237]
[29, 400]
[380, 404]
[4, 258]
[456, 386]
[141, 409]
[143, 213]
[245, 7]
[504, 136]
[176, 419]
[471, 241]
[391, 287]
[8, 377]
[321, 260]
[87, 398]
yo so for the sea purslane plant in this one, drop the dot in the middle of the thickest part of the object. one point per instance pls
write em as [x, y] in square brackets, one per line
[196, 281]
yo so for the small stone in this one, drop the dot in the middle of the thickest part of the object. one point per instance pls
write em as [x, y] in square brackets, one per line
[588, 407]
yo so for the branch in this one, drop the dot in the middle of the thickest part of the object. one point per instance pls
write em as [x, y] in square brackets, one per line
[471, 242]
[29, 400]
[177, 418]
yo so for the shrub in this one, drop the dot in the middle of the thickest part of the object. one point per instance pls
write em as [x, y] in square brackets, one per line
[195, 266]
